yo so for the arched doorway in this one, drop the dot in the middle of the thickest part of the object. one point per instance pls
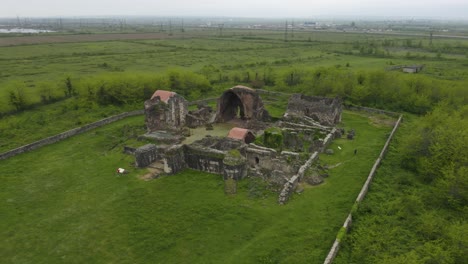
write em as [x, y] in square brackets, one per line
[240, 103]
[231, 107]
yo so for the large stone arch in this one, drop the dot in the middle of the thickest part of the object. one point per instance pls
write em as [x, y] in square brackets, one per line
[240, 102]
[232, 107]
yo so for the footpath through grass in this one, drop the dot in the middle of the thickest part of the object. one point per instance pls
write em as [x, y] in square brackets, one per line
[64, 203]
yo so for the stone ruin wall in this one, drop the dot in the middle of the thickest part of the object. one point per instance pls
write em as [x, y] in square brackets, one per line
[166, 116]
[204, 159]
[292, 183]
[180, 157]
[200, 117]
[147, 154]
[326, 111]
[174, 159]
[270, 165]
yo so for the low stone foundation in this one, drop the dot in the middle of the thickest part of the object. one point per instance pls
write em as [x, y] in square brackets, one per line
[147, 154]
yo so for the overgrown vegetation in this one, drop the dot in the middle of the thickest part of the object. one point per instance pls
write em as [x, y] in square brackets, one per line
[416, 213]
[272, 138]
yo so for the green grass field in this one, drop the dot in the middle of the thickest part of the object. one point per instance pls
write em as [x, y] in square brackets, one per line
[45, 66]
[64, 203]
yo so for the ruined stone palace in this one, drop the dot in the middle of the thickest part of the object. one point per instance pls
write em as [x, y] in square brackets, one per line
[281, 152]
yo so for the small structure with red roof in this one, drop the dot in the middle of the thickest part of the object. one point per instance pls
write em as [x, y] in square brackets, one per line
[241, 134]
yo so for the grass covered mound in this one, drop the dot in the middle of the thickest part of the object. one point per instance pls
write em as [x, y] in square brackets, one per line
[65, 203]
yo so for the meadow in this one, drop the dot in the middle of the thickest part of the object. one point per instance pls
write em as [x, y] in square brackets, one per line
[64, 202]
[40, 70]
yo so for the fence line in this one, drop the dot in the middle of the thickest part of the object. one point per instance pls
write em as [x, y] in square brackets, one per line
[67, 134]
[336, 244]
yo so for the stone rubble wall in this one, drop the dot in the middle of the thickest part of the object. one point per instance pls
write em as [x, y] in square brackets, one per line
[174, 159]
[297, 126]
[67, 134]
[129, 150]
[147, 154]
[168, 115]
[336, 244]
[292, 183]
[204, 159]
[327, 111]
[234, 167]
[328, 139]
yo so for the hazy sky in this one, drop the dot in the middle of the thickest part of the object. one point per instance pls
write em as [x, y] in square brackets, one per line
[455, 9]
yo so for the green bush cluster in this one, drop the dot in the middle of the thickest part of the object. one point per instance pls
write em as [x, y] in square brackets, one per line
[116, 89]
[273, 138]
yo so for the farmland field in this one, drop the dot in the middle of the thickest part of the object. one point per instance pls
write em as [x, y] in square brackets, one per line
[238, 57]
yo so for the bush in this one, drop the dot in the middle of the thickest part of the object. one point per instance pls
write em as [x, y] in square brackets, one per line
[273, 138]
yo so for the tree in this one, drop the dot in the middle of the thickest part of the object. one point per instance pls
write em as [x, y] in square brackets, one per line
[17, 98]
[437, 151]
[69, 88]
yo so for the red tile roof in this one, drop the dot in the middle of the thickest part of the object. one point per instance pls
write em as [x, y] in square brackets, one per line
[238, 133]
[164, 95]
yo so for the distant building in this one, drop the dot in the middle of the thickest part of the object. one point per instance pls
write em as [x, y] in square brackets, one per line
[413, 68]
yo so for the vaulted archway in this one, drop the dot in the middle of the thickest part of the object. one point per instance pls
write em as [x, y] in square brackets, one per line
[240, 102]
[232, 107]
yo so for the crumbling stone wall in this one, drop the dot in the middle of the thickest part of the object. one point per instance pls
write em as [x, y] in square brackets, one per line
[270, 165]
[235, 166]
[147, 154]
[202, 116]
[241, 102]
[326, 111]
[209, 155]
[204, 159]
[170, 115]
[292, 183]
[174, 159]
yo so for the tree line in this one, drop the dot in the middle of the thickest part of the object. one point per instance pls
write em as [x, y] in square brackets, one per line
[413, 93]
